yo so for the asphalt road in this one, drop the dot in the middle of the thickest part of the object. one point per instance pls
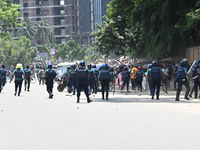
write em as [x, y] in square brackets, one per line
[125, 122]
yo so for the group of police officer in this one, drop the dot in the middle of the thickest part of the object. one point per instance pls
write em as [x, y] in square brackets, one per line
[88, 78]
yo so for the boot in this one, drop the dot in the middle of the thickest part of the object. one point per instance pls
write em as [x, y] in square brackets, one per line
[77, 100]
[88, 100]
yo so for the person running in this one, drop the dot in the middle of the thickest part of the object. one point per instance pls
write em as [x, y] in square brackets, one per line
[3, 74]
[27, 72]
[18, 79]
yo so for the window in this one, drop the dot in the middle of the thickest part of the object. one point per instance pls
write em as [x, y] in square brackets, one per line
[38, 19]
[62, 2]
[38, 11]
[25, 4]
[25, 14]
[62, 12]
[16, 2]
[62, 21]
[63, 41]
[62, 31]
[45, 0]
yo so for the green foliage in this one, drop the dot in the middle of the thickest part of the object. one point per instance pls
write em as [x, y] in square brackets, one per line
[8, 18]
[156, 28]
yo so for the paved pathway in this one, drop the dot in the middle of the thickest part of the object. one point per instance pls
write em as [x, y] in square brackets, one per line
[125, 122]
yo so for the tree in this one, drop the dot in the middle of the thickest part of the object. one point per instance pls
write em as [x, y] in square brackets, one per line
[27, 29]
[42, 30]
[8, 18]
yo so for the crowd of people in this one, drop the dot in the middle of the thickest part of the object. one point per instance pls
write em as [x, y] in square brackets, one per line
[88, 78]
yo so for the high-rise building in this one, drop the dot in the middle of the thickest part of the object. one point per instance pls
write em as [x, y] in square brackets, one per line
[67, 18]
[62, 16]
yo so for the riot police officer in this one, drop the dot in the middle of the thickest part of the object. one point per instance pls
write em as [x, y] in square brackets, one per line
[125, 78]
[72, 78]
[96, 72]
[3, 74]
[91, 78]
[50, 75]
[156, 76]
[148, 78]
[82, 74]
[104, 77]
[27, 72]
[18, 79]
[182, 80]
[138, 78]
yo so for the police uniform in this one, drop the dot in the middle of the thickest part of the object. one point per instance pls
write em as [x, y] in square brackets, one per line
[91, 80]
[196, 82]
[3, 73]
[96, 73]
[18, 80]
[28, 75]
[82, 74]
[104, 77]
[72, 80]
[125, 78]
[156, 78]
[182, 80]
[50, 76]
[139, 76]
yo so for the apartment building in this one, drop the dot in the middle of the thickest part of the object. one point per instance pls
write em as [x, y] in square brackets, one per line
[62, 16]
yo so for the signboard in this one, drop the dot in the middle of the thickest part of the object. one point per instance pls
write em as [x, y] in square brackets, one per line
[53, 51]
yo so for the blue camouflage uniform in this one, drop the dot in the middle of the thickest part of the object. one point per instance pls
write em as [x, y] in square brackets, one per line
[50, 76]
[139, 77]
[182, 80]
[156, 78]
[72, 79]
[3, 72]
[91, 79]
[28, 75]
[104, 77]
[18, 80]
[125, 78]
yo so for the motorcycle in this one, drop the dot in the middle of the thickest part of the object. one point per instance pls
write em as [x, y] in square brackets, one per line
[62, 84]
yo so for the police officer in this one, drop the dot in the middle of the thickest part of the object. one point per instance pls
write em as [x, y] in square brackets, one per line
[182, 80]
[104, 77]
[96, 72]
[50, 75]
[125, 78]
[72, 78]
[18, 79]
[27, 72]
[138, 78]
[196, 75]
[148, 78]
[82, 74]
[156, 76]
[91, 78]
[3, 74]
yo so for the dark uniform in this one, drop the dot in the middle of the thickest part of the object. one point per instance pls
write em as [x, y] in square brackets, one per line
[104, 77]
[156, 78]
[28, 75]
[96, 73]
[82, 74]
[125, 78]
[72, 80]
[50, 76]
[139, 77]
[91, 80]
[182, 80]
[3, 73]
[18, 80]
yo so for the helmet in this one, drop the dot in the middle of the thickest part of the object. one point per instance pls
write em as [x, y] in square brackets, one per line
[154, 63]
[182, 63]
[139, 67]
[82, 63]
[73, 66]
[49, 66]
[150, 65]
[18, 66]
[105, 66]
[125, 68]
[89, 66]
[68, 68]
[94, 66]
